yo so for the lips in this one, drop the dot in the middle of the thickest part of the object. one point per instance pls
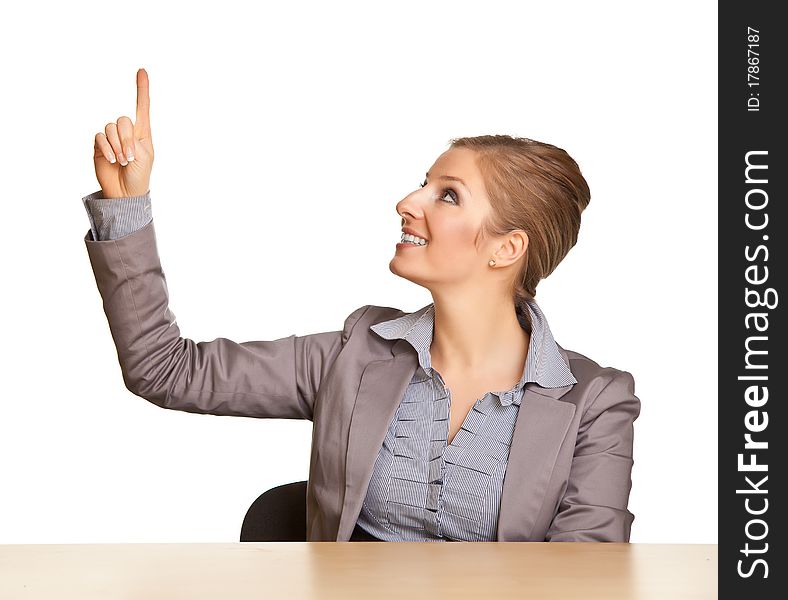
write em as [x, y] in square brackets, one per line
[414, 232]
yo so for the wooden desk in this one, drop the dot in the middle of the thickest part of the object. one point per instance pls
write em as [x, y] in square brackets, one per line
[409, 570]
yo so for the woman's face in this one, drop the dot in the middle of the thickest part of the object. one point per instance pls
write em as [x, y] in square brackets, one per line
[447, 210]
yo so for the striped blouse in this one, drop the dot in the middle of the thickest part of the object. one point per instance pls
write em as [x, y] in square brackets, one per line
[424, 489]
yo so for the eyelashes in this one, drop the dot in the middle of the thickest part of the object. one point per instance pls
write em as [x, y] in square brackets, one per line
[450, 191]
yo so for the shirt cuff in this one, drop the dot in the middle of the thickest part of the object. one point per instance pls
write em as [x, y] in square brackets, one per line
[114, 218]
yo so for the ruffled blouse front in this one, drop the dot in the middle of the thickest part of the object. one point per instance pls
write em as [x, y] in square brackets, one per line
[424, 489]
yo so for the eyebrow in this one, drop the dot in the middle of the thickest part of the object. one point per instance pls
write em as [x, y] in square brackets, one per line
[452, 177]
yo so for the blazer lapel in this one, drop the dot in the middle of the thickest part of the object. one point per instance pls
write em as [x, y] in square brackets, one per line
[383, 384]
[542, 423]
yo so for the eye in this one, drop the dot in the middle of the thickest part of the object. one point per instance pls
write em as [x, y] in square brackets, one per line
[452, 194]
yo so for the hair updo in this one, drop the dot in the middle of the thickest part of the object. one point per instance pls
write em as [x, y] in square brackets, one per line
[535, 187]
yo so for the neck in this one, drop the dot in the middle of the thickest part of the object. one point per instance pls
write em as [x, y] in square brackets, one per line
[478, 334]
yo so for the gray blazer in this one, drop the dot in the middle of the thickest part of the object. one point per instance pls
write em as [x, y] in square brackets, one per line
[568, 476]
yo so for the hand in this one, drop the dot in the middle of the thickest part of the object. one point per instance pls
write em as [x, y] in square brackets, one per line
[120, 142]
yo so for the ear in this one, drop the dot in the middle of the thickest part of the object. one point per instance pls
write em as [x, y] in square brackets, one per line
[513, 247]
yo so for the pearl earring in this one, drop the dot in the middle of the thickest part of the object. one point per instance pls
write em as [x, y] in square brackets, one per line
[492, 262]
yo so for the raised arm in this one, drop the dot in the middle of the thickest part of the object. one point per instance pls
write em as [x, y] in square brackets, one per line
[276, 378]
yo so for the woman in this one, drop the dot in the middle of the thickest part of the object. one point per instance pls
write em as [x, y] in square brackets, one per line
[464, 420]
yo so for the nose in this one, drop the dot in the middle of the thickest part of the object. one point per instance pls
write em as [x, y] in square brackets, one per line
[409, 209]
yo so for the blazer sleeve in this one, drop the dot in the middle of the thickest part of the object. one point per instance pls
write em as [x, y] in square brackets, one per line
[266, 379]
[594, 505]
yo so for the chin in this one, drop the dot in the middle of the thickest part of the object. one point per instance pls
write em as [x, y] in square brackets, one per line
[394, 269]
[397, 272]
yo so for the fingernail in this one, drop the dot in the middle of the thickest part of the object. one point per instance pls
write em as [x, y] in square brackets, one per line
[112, 158]
[130, 154]
[122, 160]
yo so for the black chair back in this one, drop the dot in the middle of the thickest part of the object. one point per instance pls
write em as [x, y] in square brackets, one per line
[278, 515]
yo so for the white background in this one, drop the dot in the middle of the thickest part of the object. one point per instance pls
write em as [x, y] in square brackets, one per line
[284, 137]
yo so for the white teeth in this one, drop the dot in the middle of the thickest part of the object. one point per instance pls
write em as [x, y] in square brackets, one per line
[406, 237]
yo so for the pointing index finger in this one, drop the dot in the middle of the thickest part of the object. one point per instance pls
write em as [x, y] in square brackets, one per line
[142, 124]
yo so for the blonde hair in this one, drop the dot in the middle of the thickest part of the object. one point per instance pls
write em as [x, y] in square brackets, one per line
[535, 187]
